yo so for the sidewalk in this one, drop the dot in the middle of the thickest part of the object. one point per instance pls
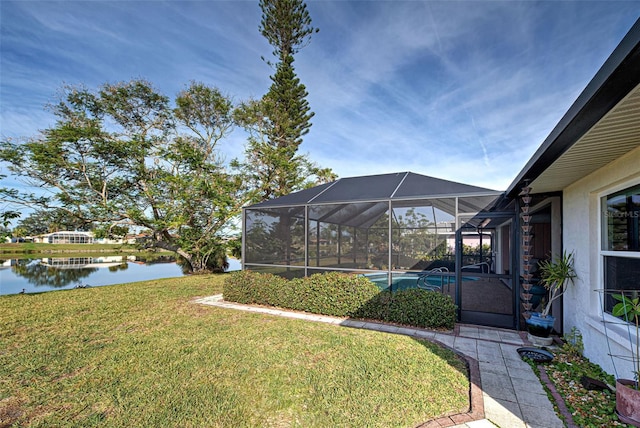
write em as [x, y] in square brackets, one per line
[505, 392]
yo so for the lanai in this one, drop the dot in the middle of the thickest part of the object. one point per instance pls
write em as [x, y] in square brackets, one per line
[395, 225]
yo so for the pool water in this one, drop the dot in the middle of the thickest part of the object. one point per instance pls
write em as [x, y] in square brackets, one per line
[409, 280]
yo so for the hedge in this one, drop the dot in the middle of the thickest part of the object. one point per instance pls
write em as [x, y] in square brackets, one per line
[342, 295]
[251, 287]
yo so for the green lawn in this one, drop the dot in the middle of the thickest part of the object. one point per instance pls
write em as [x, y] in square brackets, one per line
[34, 248]
[143, 354]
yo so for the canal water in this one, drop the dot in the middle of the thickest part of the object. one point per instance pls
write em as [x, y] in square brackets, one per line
[59, 273]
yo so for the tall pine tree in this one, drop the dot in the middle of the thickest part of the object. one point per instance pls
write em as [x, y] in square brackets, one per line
[283, 116]
[286, 25]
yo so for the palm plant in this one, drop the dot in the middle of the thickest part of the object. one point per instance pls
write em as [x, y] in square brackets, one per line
[555, 274]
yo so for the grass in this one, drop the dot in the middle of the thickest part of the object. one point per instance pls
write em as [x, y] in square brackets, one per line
[42, 247]
[143, 354]
[26, 248]
[30, 250]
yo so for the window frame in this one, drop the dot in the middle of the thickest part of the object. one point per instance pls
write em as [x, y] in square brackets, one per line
[603, 239]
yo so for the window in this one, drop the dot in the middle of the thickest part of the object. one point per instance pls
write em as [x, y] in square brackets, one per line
[621, 242]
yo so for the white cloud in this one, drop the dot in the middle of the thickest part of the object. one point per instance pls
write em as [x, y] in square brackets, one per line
[459, 90]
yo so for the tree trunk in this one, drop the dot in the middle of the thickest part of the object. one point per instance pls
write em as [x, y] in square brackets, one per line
[159, 243]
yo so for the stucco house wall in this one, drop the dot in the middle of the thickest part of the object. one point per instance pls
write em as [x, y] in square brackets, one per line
[581, 234]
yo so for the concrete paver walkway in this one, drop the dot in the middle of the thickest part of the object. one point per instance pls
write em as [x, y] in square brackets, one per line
[505, 390]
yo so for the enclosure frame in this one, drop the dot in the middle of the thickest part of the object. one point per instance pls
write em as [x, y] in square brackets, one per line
[302, 216]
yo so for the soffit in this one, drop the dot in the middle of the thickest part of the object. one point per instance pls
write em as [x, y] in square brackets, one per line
[616, 134]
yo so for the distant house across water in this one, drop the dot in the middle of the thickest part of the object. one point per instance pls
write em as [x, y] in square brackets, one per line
[66, 237]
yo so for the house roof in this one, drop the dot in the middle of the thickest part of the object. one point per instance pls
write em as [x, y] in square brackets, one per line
[601, 125]
[371, 188]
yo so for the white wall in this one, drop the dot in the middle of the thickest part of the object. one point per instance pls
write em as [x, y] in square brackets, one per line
[581, 234]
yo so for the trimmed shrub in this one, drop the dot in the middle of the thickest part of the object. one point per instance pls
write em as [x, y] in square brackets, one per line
[376, 308]
[332, 293]
[342, 295]
[252, 287]
[414, 307]
[422, 308]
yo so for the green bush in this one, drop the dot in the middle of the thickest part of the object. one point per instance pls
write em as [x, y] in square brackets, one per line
[422, 308]
[414, 307]
[376, 308]
[342, 295]
[252, 287]
[333, 293]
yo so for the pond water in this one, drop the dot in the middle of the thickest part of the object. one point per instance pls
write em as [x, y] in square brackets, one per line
[59, 273]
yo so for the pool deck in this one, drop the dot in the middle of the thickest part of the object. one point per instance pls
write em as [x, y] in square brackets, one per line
[505, 392]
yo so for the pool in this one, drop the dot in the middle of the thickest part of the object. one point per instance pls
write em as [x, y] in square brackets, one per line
[405, 281]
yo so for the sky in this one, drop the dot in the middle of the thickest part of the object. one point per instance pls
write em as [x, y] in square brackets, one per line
[459, 90]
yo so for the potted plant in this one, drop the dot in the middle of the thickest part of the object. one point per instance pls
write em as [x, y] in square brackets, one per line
[627, 390]
[554, 276]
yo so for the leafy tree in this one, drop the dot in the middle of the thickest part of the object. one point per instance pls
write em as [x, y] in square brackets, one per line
[282, 117]
[110, 231]
[235, 247]
[123, 154]
[5, 221]
[40, 222]
[19, 232]
[5, 233]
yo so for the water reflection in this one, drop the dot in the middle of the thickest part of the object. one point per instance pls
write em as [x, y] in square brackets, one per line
[55, 273]
[51, 273]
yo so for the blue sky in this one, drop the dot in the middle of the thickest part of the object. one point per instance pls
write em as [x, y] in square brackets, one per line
[460, 90]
